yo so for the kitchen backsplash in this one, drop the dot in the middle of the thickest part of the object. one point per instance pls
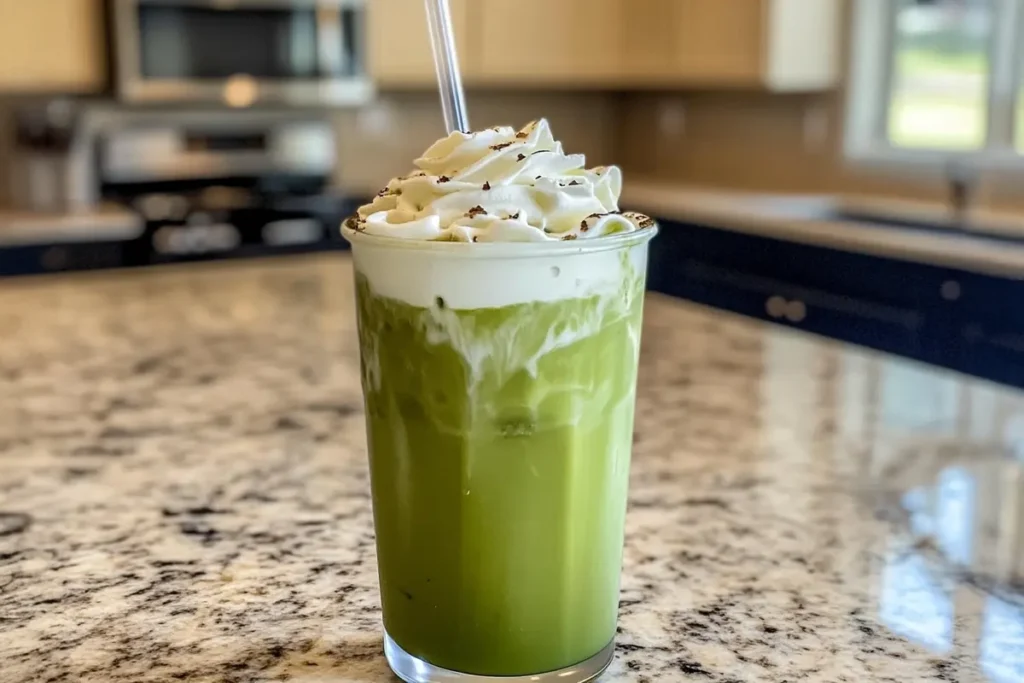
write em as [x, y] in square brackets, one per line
[766, 142]
[743, 140]
[6, 149]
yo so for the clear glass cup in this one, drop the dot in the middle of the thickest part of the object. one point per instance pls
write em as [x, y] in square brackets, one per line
[500, 383]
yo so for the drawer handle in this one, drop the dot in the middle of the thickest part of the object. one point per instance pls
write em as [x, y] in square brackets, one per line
[776, 306]
[796, 311]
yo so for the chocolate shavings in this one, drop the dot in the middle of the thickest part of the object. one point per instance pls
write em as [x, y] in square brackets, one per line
[355, 223]
[520, 157]
[501, 146]
[475, 211]
[487, 186]
[444, 179]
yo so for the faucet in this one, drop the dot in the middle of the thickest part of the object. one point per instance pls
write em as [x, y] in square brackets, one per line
[962, 182]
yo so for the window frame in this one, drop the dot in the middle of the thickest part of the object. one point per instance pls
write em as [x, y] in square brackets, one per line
[871, 55]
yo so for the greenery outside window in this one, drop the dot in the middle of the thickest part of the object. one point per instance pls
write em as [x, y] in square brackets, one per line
[937, 82]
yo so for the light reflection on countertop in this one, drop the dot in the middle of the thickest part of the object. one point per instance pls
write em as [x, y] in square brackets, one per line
[944, 458]
[914, 603]
[186, 446]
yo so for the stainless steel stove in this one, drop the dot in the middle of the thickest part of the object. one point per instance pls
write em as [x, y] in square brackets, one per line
[215, 184]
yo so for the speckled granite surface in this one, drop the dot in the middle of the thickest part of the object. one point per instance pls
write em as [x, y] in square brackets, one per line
[183, 495]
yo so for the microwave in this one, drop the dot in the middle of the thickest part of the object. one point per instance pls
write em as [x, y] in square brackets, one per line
[240, 53]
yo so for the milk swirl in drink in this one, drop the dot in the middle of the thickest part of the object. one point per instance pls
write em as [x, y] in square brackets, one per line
[499, 294]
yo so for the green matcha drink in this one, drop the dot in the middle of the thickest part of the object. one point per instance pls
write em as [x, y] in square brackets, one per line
[500, 297]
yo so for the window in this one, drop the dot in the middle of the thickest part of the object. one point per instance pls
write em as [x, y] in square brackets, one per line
[937, 80]
[939, 74]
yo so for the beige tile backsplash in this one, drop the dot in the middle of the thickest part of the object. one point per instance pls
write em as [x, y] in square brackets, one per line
[742, 140]
[768, 142]
[734, 140]
[6, 150]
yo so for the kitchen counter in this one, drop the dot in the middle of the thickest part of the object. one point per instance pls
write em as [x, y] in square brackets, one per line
[810, 219]
[893, 275]
[108, 222]
[184, 494]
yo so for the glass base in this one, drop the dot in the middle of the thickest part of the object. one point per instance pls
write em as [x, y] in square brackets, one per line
[414, 670]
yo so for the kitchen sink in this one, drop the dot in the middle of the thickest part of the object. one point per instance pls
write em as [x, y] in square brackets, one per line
[898, 215]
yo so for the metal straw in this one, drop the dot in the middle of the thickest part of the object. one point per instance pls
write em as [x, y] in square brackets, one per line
[446, 62]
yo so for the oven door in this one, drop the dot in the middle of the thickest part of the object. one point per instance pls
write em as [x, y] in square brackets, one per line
[241, 52]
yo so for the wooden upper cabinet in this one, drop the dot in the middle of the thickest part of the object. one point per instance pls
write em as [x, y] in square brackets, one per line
[781, 45]
[701, 42]
[719, 42]
[399, 42]
[51, 46]
[803, 40]
[649, 41]
[538, 42]
[775, 44]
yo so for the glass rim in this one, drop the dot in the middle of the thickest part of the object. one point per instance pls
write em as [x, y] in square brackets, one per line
[502, 249]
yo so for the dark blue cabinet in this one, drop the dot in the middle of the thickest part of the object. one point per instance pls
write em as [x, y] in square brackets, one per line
[34, 259]
[790, 302]
[990, 327]
[964, 321]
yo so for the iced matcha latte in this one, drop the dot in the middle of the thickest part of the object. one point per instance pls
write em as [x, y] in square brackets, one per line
[499, 294]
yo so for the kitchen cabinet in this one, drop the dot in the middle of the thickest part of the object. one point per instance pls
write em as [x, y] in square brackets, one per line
[51, 46]
[399, 42]
[962, 320]
[540, 42]
[692, 41]
[801, 44]
[990, 326]
[828, 311]
[893, 306]
[779, 45]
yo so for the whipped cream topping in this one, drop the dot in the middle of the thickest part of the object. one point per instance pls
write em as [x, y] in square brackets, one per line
[500, 185]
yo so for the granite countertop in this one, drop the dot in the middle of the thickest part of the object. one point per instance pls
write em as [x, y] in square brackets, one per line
[184, 496]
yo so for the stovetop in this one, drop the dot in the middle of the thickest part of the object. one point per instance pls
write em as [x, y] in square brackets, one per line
[202, 221]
